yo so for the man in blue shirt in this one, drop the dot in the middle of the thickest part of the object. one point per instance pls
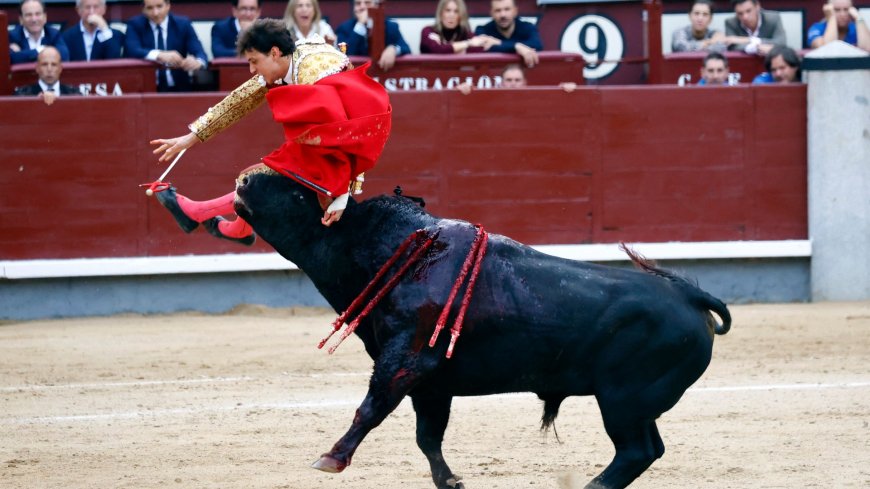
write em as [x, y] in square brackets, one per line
[842, 21]
[355, 34]
[508, 34]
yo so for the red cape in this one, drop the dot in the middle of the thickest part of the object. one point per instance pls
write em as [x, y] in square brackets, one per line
[334, 129]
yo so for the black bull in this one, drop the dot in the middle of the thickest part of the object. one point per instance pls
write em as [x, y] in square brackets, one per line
[636, 340]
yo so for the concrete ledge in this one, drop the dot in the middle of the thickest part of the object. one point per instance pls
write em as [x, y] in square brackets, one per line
[258, 262]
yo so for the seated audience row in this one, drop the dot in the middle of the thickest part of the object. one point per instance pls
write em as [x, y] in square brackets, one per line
[170, 41]
[755, 30]
[782, 65]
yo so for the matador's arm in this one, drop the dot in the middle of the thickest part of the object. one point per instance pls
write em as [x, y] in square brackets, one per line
[236, 105]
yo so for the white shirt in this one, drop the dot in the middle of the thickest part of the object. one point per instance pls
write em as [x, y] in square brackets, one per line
[754, 39]
[90, 37]
[50, 88]
[37, 44]
[322, 29]
[152, 55]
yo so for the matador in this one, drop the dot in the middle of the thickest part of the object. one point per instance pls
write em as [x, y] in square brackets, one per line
[336, 120]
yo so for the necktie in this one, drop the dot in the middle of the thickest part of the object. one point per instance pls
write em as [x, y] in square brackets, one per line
[162, 80]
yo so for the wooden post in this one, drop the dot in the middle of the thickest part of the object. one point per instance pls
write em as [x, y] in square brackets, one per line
[652, 16]
[5, 69]
[377, 32]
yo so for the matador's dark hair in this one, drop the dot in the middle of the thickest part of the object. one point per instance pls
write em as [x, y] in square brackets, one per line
[264, 34]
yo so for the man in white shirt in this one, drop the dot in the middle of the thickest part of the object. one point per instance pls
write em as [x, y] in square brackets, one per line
[92, 38]
[753, 30]
[48, 88]
[32, 35]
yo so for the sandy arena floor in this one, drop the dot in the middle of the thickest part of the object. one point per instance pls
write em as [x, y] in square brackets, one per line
[246, 400]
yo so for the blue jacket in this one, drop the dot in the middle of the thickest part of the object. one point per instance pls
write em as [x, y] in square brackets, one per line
[19, 37]
[524, 33]
[180, 37]
[75, 42]
[358, 45]
[223, 38]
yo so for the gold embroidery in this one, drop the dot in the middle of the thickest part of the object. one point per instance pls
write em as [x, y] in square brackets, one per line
[236, 105]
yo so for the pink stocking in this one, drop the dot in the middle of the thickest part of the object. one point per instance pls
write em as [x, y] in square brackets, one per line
[201, 211]
[235, 229]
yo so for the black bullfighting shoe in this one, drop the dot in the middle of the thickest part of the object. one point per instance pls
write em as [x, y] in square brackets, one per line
[168, 199]
[213, 228]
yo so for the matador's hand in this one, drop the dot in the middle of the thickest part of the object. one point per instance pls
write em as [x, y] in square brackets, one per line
[170, 147]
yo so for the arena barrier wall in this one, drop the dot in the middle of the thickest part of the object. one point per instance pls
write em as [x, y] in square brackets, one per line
[651, 164]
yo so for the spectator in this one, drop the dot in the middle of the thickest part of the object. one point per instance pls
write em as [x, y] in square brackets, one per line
[451, 32]
[783, 65]
[225, 32]
[753, 30]
[698, 36]
[714, 71]
[513, 76]
[847, 26]
[304, 20]
[507, 34]
[29, 38]
[168, 40]
[355, 33]
[48, 87]
[92, 38]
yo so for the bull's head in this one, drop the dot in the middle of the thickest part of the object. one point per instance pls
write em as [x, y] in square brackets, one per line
[275, 205]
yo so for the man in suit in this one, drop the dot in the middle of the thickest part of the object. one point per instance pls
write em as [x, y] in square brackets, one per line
[505, 33]
[91, 38]
[753, 30]
[32, 35]
[168, 40]
[225, 32]
[355, 33]
[48, 87]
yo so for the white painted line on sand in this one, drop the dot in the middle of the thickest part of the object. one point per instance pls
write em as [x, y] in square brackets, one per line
[333, 403]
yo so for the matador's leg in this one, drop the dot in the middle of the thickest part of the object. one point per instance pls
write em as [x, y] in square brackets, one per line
[190, 213]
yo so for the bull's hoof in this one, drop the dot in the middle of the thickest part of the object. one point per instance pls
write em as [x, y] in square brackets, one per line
[329, 464]
[453, 483]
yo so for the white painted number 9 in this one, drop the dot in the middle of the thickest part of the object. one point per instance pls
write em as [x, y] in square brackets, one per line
[597, 38]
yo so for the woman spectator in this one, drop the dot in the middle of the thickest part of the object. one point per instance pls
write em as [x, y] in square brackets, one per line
[304, 20]
[783, 65]
[451, 32]
[697, 36]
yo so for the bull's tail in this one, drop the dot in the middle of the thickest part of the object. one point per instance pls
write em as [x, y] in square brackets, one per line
[551, 410]
[697, 296]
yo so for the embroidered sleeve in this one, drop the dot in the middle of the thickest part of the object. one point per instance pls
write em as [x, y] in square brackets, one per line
[236, 105]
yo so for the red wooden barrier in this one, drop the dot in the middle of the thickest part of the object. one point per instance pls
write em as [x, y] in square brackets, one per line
[124, 75]
[5, 87]
[676, 64]
[598, 165]
[434, 71]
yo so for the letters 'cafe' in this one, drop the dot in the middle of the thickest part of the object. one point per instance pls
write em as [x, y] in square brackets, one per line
[585, 42]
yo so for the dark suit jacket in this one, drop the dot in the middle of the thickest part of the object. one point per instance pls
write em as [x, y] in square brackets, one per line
[110, 49]
[36, 89]
[223, 38]
[771, 31]
[524, 33]
[180, 37]
[358, 45]
[52, 38]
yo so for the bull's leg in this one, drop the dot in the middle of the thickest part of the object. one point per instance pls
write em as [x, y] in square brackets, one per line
[396, 372]
[638, 445]
[432, 416]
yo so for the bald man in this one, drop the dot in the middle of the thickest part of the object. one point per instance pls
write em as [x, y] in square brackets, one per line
[49, 87]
